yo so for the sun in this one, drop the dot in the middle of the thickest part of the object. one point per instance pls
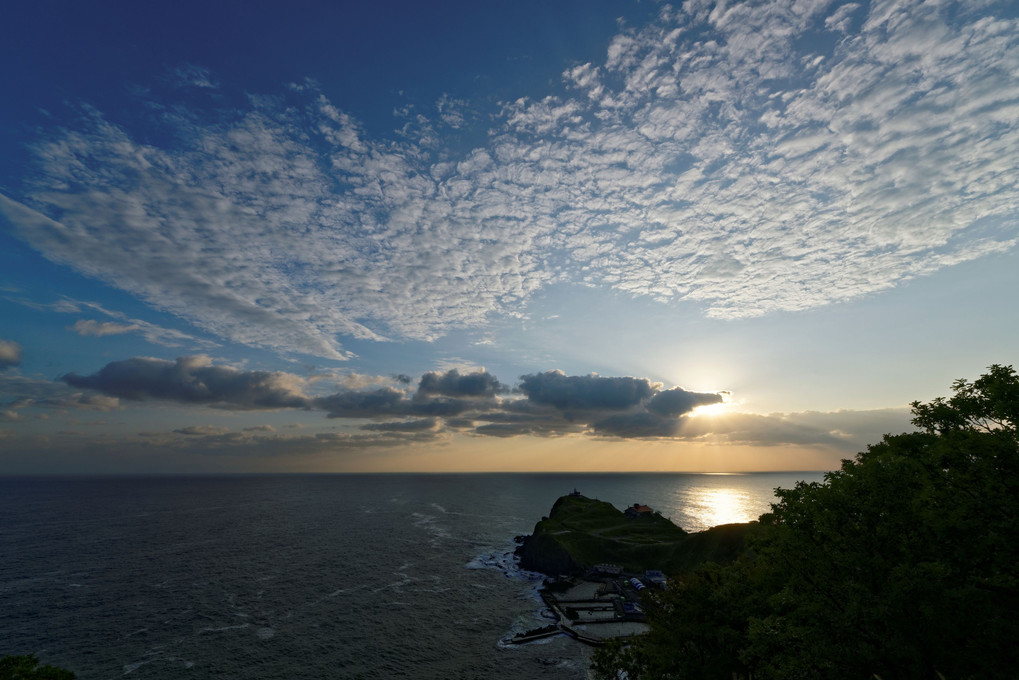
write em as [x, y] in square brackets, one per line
[713, 409]
[708, 410]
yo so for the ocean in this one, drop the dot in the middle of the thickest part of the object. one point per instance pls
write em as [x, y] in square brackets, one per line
[318, 576]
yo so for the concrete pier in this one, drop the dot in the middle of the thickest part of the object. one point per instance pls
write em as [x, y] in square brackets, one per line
[591, 614]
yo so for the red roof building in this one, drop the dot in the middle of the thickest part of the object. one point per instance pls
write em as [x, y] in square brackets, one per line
[638, 510]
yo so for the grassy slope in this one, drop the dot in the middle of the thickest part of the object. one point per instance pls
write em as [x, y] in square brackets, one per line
[593, 531]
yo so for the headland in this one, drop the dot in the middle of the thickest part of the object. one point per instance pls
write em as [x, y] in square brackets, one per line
[603, 562]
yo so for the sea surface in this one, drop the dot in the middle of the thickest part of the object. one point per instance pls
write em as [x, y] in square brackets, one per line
[319, 576]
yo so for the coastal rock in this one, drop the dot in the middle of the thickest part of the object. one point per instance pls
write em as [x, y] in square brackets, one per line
[581, 532]
[544, 553]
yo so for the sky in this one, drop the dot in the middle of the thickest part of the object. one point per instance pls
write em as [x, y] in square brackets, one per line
[471, 236]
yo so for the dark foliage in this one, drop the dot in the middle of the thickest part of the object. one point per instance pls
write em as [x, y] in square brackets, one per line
[26, 667]
[902, 564]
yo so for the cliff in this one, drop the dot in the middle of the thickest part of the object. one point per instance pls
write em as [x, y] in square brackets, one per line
[581, 532]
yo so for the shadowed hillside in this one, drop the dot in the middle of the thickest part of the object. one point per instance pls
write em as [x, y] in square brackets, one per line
[581, 532]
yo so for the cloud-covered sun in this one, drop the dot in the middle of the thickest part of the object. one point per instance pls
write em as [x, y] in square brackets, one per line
[713, 409]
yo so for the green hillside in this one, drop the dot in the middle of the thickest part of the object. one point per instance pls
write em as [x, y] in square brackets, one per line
[581, 532]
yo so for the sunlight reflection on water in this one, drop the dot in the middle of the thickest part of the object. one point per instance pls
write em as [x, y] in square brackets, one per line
[723, 506]
[722, 499]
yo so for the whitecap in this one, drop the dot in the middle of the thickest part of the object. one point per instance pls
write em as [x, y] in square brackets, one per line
[427, 522]
[222, 628]
[132, 667]
[265, 633]
[506, 644]
[395, 584]
[505, 561]
[337, 593]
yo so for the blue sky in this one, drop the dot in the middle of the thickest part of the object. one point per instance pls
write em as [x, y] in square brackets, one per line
[572, 235]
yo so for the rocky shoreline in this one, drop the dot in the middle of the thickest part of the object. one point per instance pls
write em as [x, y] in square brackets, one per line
[599, 561]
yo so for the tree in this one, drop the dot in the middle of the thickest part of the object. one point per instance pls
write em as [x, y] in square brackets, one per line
[26, 667]
[901, 564]
[988, 404]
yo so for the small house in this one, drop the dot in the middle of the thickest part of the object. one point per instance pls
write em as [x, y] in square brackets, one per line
[638, 510]
[656, 578]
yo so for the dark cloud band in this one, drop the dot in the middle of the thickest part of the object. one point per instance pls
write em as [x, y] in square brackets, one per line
[553, 403]
[193, 380]
[587, 392]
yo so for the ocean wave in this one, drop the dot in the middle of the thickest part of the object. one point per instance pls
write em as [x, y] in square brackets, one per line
[506, 561]
[223, 628]
[129, 668]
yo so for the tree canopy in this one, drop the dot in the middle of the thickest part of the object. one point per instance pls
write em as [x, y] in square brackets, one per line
[904, 563]
[28, 667]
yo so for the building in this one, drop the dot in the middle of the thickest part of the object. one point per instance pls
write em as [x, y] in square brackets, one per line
[608, 569]
[656, 578]
[638, 510]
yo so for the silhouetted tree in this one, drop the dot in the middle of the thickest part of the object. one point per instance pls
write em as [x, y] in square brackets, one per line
[904, 563]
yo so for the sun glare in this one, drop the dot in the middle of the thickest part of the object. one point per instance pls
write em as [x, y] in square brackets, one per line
[723, 506]
[709, 410]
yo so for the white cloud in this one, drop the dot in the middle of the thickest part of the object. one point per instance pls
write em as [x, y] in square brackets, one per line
[100, 329]
[10, 354]
[452, 111]
[840, 19]
[711, 157]
[190, 75]
[157, 335]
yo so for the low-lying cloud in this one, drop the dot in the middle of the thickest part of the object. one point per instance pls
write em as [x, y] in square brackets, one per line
[454, 384]
[439, 405]
[587, 392]
[552, 403]
[38, 397]
[193, 380]
[546, 404]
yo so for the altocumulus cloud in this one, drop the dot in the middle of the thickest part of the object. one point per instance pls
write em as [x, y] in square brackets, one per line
[157, 335]
[752, 157]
